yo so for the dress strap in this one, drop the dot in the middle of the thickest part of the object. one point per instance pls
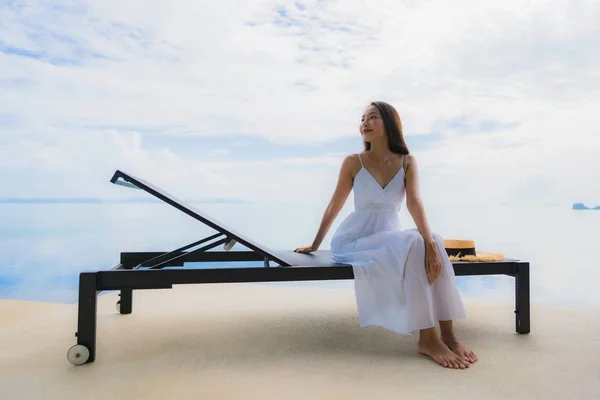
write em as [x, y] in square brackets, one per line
[360, 159]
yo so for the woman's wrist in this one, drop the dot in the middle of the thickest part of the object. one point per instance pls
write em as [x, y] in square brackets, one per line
[428, 238]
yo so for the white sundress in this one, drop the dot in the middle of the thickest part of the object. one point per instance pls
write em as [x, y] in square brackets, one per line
[390, 282]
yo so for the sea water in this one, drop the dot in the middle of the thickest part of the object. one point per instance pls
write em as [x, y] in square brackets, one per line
[44, 247]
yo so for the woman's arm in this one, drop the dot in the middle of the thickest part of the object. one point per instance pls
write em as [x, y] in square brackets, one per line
[414, 203]
[338, 199]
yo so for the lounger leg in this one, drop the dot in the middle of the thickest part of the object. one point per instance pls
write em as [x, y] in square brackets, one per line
[522, 299]
[124, 305]
[85, 349]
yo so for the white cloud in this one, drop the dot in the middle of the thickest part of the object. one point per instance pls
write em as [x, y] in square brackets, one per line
[290, 73]
[82, 166]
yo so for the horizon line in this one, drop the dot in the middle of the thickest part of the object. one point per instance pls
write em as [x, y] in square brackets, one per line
[99, 200]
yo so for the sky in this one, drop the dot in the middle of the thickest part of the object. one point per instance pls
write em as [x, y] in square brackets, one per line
[260, 101]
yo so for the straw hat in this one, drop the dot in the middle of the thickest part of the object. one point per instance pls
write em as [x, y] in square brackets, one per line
[464, 250]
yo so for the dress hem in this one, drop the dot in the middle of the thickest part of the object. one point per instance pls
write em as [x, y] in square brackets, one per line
[413, 331]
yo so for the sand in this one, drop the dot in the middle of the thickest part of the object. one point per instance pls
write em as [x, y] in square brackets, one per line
[242, 341]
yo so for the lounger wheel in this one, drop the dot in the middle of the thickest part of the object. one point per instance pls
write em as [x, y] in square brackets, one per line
[78, 354]
[119, 306]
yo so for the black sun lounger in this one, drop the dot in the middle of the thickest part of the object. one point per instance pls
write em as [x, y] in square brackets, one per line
[154, 270]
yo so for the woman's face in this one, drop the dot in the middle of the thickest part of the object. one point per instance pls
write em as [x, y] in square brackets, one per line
[371, 124]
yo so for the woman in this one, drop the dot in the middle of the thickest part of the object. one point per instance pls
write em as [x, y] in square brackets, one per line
[403, 279]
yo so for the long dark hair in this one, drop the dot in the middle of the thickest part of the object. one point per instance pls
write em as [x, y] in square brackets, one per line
[393, 128]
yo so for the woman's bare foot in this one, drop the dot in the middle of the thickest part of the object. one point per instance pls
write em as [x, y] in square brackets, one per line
[449, 339]
[460, 350]
[441, 354]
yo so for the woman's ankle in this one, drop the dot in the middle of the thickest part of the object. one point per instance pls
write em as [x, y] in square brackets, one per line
[447, 331]
[428, 335]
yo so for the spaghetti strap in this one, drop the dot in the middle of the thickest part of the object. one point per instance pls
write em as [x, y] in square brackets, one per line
[360, 159]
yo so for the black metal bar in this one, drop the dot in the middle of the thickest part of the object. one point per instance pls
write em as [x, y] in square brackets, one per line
[522, 299]
[507, 266]
[125, 303]
[147, 279]
[184, 255]
[160, 258]
[208, 256]
[151, 278]
[483, 268]
[87, 313]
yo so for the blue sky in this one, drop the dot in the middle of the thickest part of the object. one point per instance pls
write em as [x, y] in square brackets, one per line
[212, 100]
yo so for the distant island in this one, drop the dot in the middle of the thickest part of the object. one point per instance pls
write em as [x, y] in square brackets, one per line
[581, 206]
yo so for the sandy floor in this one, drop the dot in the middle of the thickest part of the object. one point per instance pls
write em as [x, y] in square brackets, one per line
[267, 342]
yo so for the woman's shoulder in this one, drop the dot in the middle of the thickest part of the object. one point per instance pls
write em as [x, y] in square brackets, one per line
[352, 159]
[409, 162]
[352, 163]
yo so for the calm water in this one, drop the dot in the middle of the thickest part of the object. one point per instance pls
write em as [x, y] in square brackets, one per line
[43, 247]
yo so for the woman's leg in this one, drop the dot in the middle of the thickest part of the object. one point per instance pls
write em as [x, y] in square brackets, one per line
[449, 338]
[449, 306]
[430, 303]
[431, 345]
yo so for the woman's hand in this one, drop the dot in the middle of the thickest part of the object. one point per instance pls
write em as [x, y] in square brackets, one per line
[307, 249]
[433, 261]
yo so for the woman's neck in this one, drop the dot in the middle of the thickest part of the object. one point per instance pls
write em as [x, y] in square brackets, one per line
[380, 150]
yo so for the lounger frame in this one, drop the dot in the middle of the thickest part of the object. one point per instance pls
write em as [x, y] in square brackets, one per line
[163, 269]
